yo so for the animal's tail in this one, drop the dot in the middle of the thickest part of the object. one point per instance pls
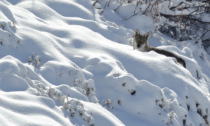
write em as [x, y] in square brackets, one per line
[170, 54]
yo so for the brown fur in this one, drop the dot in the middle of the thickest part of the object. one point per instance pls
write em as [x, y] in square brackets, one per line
[141, 43]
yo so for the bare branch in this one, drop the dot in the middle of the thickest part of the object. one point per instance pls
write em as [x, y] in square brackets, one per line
[119, 6]
[95, 2]
[137, 4]
[189, 17]
[147, 8]
[174, 7]
[107, 2]
[131, 16]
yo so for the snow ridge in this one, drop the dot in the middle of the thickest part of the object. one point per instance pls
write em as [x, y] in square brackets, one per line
[64, 63]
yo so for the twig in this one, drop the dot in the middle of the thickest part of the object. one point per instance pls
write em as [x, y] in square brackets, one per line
[104, 6]
[108, 2]
[207, 30]
[193, 11]
[147, 8]
[172, 8]
[95, 2]
[136, 6]
[189, 17]
[119, 6]
[131, 16]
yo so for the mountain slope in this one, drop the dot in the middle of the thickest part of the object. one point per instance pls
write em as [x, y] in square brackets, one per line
[64, 64]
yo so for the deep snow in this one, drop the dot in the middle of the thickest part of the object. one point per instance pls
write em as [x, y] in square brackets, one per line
[64, 64]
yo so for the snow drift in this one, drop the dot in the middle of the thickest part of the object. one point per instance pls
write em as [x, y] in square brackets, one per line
[64, 64]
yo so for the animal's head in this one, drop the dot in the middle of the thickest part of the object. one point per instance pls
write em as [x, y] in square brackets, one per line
[141, 40]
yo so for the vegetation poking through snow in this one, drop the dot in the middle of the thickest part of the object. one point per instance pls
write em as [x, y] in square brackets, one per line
[34, 60]
[123, 86]
[8, 34]
[72, 105]
[182, 20]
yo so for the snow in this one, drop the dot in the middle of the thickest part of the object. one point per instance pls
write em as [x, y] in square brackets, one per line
[64, 64]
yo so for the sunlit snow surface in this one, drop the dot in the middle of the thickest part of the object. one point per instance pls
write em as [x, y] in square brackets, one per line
[63, 64]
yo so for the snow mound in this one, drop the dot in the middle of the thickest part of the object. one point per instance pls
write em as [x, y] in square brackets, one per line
[62, 63]
[20, 85]
[8, 36]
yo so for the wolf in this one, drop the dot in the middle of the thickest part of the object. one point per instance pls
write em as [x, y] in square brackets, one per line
[141, 43]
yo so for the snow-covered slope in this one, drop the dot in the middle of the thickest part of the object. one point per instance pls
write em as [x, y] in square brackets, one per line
[64, 64]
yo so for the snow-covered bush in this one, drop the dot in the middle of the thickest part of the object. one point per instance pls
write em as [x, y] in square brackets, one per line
[34, 60]
[60, 73]
[179, 19]
[71, 105]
